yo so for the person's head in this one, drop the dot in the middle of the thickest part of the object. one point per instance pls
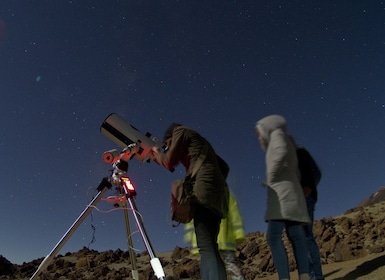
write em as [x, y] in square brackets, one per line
[168, 133]
[266, 125]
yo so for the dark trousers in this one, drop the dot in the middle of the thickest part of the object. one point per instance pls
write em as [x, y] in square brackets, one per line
[206, 225]
[315, 265]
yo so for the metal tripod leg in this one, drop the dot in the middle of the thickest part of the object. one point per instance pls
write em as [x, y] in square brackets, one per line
[154, 261]
[134, 271]
[103, 188]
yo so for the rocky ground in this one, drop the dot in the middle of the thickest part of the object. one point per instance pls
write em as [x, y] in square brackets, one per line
[352, 246]
[370, 267]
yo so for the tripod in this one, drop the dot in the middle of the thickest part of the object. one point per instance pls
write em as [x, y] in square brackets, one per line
[126, 188]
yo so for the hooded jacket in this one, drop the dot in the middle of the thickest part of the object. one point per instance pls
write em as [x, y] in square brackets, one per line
[210, 188]
[285, 198]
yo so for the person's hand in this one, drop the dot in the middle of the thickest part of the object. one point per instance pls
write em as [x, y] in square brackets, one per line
[154, 153]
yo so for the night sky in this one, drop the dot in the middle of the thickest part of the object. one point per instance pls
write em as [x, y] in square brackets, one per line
[215, 66]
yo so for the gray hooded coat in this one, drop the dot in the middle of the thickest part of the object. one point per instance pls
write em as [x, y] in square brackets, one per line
[285, 198]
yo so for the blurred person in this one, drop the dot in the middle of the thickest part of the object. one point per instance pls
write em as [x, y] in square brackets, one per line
[310, 177]
[185, 146]
[286, 205]
[231, 234]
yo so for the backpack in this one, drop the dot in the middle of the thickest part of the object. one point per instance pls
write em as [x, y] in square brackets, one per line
[182, 194]
[308, 168]
[182, 201]
[182, 191]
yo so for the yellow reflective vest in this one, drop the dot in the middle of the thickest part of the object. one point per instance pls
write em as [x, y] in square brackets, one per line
[231, 231]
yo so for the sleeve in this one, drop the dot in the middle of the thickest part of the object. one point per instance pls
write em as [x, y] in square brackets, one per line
[176, 150]
[276, 154]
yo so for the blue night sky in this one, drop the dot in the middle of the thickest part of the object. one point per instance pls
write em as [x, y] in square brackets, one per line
[215, 66]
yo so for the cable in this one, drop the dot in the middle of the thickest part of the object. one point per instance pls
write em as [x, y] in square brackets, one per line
[93, 239]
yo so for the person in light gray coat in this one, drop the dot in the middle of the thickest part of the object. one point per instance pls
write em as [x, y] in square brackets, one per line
[286, 205]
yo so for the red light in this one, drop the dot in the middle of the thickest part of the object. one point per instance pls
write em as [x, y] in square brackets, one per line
[127, 185]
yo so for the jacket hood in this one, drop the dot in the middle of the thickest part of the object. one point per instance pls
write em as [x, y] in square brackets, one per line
[270, 123]
[169, 131]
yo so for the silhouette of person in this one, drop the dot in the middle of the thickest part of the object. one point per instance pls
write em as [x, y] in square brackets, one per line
[310, 177]
[210, 189]
[286, 205]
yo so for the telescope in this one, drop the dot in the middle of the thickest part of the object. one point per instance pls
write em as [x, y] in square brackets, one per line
[134, 143]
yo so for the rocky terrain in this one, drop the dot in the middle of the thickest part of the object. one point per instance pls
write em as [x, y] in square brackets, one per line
[358, 234]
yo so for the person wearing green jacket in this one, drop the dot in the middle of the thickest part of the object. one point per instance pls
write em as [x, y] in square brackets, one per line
[231, 233]
[186, 146]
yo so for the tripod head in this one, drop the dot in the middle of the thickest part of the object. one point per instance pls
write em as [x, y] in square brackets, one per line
[119, 163]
